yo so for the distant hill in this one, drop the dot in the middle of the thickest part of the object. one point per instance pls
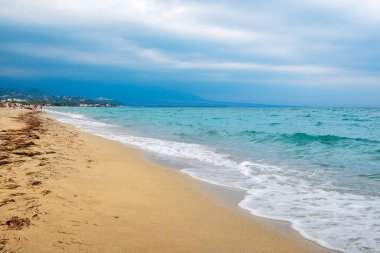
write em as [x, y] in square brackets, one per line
[129, 96]
[152, 96]
[30, 94]
[37, 96]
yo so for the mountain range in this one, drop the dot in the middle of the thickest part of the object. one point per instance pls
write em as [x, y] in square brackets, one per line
[136, 96]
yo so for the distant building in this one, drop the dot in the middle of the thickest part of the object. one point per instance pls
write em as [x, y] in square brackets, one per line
[16, 100]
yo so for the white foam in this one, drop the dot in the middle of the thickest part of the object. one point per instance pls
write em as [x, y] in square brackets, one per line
[330, 216]
[334, 219]
[66, 115]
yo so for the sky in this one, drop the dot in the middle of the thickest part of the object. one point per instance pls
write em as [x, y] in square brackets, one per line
[286, 52]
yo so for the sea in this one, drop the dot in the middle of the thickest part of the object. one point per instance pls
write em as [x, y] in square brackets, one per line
[317, 168]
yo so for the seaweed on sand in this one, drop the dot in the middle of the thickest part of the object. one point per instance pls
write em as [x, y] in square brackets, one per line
[17, 223]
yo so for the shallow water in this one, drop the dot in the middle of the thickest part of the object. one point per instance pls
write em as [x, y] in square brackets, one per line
[317, 168]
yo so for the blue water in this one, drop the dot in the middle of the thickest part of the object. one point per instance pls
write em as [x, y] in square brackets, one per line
[316, 168]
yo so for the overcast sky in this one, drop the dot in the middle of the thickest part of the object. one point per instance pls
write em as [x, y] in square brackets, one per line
[311, 52]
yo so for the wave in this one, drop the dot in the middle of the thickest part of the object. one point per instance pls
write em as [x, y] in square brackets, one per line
[304, 138]
[252, 132]
[67, 114]
[356, 119]
[212, 133]
[375, 176]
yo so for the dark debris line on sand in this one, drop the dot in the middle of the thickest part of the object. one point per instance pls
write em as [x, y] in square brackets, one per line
[18, 201]
[31, 159]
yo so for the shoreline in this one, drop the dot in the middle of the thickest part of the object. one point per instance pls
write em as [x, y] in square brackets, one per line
[134, 205]
[230, 197]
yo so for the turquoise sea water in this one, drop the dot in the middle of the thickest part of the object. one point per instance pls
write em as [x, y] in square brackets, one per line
[318, 168]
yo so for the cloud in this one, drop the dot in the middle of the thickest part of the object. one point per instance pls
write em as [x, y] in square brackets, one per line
[171, 17]
[325, 40]
[16, 72]
[140, 57]
[360, 11]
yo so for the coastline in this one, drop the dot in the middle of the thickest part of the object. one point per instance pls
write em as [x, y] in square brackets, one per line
[230, 198]
[105, 197]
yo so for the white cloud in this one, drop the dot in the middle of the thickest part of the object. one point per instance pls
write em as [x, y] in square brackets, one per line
[359, 10]
[166, 16]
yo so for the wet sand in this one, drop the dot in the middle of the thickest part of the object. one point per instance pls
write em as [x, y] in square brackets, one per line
[62, 190]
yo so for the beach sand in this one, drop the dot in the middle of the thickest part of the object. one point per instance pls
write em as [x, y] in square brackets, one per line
[62, 190]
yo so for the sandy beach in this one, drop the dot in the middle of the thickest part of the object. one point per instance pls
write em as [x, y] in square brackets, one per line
[62, 190]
